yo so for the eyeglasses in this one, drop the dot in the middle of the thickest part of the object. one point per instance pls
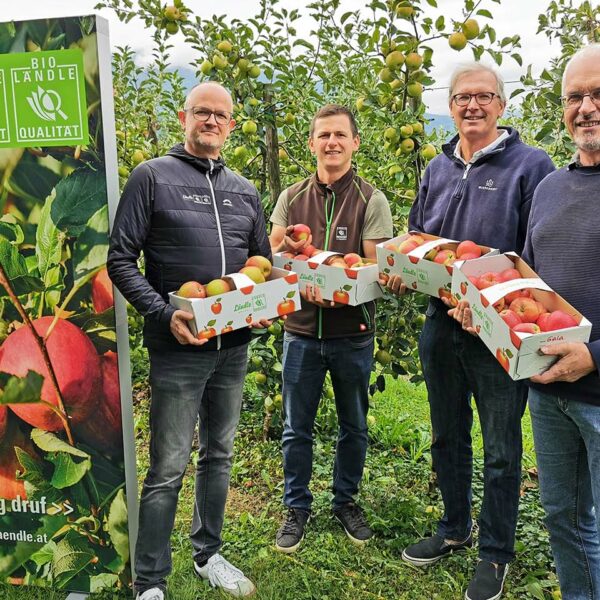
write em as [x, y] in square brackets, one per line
[204, 114]
[482, 98]
[576, 100]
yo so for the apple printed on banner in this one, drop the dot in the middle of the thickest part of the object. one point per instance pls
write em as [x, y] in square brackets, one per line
[228, 327]
[216, 306]
[287, 306]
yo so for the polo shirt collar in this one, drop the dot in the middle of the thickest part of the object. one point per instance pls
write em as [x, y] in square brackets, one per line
[487, 150]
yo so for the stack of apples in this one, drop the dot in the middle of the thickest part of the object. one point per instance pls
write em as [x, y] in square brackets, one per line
[519, 309]
[466, 250]
[257, 268]
[351, 260]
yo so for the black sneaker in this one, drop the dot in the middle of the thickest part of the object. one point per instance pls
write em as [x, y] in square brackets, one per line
[431, 549]
[488, 581]
[352, 518]
[291, 533]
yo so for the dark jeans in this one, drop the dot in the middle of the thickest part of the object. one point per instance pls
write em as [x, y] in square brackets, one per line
[567, 446]
[457, 365]
[305, 363]
[188, 387]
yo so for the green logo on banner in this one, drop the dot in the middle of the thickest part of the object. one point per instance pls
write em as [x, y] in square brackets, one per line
[43, 95]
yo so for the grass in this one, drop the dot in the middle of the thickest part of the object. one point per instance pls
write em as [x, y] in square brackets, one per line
[397, 493]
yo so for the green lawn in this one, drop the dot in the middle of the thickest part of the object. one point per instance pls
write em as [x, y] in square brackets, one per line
[398, 494]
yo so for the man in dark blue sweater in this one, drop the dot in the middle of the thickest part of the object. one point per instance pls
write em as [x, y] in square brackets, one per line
[479, 188]
[563, 246]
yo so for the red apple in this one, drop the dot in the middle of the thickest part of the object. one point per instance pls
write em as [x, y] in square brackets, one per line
[509, 274]
[392, 247]
[286, 307]
[341, 296]
[417, 239]
[300, 232]
[526, 328]
[560, 320]
[542, 308]
[10, 486]
[510, 317]
[390, 260]
[352, 258]
[469, 256]
[526, 293]
[488, 280]
[288, 255]
[76, 365]
[445, 257]
[407, 246]
[102, 291]
[468, 247]
[301, 257]
[474, 280]
[308, 250]
[542, 321]
[526, 308]
[263, 263]
[192, 289]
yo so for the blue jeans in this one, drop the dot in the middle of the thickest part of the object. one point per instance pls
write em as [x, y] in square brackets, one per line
[188, 387]
[305, 363]
[456, 366]
[567, 445]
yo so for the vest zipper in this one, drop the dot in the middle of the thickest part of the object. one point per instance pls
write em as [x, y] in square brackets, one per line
[221, 244]
[328, 222]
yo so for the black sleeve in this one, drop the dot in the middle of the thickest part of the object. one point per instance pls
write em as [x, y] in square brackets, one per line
[259, 240]
[130, 229]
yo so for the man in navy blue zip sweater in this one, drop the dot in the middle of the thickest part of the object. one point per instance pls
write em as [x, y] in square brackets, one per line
[563, 247]
[194, 219]
[479, 188]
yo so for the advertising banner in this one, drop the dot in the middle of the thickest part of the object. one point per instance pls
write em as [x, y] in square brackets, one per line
[67, 468]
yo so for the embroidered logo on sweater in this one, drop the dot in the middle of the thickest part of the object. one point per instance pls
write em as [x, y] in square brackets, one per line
[489, 185]
[341, 233]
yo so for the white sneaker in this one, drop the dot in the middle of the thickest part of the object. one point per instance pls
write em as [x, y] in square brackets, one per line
[222, 574]
[151, 594]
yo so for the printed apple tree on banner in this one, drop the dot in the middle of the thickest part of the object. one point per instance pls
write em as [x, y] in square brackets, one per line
[61, 470]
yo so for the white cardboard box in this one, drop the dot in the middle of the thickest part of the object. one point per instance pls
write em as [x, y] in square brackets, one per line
[347, 286]
[518, 353]
[416, 271]
[249, 302]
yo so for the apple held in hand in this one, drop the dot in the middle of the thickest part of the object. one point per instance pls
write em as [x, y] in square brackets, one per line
[192, 289]
[300, 232]
[264, 264]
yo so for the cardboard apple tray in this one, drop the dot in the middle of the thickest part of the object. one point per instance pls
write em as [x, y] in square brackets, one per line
[249, 302]
[350, 286]
[517, 352]
[416, 271]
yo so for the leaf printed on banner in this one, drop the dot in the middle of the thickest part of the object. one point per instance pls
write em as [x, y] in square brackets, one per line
[78, 197]
[91, 248]
[21, 390]
[10, 231]
[36, 478]
[67, 470]
[48, 239]
[104, 581]
[45, 554]
[32, 181]
[73, 554]
[117, 525]
[15, 267]
[51, 443]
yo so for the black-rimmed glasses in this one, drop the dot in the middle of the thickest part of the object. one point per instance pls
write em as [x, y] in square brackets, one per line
[204, 114]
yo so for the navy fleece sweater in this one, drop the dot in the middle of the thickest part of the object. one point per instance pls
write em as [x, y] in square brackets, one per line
[487, 201]
[563, 247]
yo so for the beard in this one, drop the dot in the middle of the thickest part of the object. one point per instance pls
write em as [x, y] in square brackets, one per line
[201, 143]
[588, 143]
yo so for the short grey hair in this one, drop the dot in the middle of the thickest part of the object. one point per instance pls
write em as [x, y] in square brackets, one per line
[476, 67]
[591, 49]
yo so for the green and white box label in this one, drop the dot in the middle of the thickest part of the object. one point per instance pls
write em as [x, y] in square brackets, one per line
[44, 99]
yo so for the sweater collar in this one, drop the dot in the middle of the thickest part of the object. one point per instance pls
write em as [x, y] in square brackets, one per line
[497, 146]
[209, 165]
[337, 187]
[576, 164]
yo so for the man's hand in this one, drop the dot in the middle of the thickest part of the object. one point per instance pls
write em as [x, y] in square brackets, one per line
[313, 295]
[462, 313]
[181, 331]
[575, 361]
[395, 285]
[289, 245]
[262, 324]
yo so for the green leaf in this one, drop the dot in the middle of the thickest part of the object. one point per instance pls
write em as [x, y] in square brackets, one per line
[15, 266]
[484, 13]
[32, 181]
[103, 581]
[45, 554]
[67, 471]
[48, 240]
[91, 248]
[72, 555]
[21, 390]
[51, 443]
[12, 232]
[117, 525]
[78, 197]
